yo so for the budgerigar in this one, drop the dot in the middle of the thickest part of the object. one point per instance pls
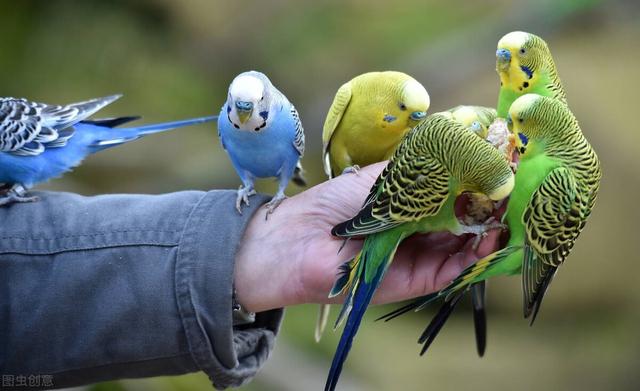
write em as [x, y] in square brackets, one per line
[525, 65]
[556, 187]
[262, 133]
[40, 141]
[368, 118]
[437, 160]
[477, 119]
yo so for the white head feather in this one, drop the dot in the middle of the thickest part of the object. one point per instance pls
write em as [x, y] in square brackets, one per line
[250, 87]
[522, 102]
[246, 88]
[514, 39]
[415, 95]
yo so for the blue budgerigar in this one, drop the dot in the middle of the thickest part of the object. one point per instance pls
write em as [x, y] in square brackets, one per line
[262, 133]
[39, 142]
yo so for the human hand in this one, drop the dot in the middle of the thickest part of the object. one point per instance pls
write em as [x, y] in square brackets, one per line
[292, 258]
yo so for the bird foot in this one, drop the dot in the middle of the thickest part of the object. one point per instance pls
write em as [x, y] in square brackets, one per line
[274, 203]
[351, 169]
[244, 192]
[480, 230]
[16, 194]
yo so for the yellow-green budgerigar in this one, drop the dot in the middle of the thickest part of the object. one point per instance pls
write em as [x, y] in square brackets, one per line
[416, 192]
[556, 187]
[477, 119]
[525, 65]
[368, 118]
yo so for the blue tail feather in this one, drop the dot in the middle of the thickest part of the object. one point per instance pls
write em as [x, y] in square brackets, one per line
[123, 135]
[360, 301]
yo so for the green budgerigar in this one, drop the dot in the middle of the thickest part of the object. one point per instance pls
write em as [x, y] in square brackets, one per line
[525, 65]
[368, 118]
[416, 192]
[477, 119]
[556, 186]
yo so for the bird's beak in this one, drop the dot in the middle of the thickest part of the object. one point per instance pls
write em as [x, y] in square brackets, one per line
[418, 115]
[503, 58]
[244, 110]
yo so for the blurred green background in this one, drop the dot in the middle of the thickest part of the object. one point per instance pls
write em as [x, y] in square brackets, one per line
[174, 59]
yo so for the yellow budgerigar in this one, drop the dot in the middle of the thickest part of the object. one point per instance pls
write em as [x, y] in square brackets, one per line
[368, 118]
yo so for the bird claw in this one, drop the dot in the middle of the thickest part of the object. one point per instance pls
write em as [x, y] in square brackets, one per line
[16, 194]
[243, 196]
[480, 230]
[355, 169]
[273, 204]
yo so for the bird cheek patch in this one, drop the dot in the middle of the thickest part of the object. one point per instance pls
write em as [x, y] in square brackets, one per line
[389, 118]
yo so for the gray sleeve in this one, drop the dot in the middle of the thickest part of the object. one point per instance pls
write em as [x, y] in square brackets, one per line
[123, 286]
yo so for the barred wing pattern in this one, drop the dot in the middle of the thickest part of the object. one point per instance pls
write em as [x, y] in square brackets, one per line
[298, 141]
[28, 128]
[414, 185]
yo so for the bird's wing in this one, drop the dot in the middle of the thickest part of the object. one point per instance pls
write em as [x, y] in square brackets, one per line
[28, 128]
[411, 187]
[298, 141]
[553, 220]
[336, 111]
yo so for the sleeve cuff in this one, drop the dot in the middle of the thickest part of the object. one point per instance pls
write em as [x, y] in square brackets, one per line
[204, 287]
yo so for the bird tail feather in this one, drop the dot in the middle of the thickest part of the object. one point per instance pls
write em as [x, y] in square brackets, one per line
[298, 175]
[479, 316]
[321, 323]
[363, 284]
[124, 135]
[473, 277]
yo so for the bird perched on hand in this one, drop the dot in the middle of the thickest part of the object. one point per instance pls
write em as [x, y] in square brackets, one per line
[40, 141]
[525, 65]
[555, 190]
[368, 118]
[263, 135]
[479, 208]
[437, 160]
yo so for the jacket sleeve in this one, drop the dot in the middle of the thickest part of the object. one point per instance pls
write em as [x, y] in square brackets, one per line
[123, 286]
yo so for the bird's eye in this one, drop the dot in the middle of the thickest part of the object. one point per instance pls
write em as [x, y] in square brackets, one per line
[262, 98]
[523, 50]
[520, 120]
[403, 107]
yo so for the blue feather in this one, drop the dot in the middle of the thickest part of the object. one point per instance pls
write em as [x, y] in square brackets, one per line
[523, 138]
[123, 135]
[527, 70]
[389, 118]
[361, 299]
